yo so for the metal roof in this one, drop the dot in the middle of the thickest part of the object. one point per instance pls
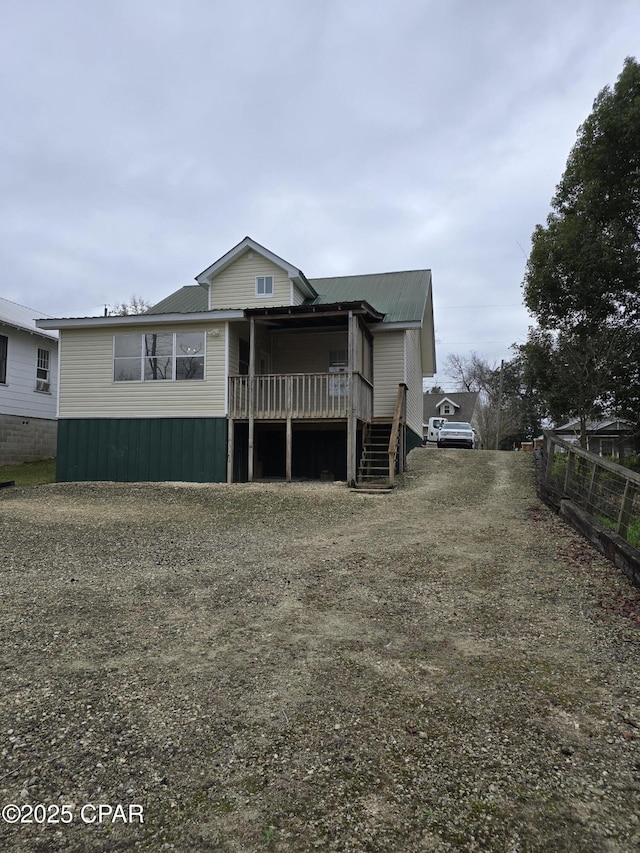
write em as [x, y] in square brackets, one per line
[21, 317]
[193, 297]
[400, 296]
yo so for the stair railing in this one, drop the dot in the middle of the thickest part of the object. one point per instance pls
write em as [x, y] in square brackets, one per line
[399, 416]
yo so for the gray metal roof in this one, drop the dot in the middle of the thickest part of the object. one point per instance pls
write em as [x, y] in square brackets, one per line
[400, 296]
[21, 317]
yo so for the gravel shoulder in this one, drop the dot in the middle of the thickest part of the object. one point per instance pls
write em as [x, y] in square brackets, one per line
[297, 667]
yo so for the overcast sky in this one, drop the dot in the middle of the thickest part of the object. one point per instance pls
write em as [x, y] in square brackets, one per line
[142, 139]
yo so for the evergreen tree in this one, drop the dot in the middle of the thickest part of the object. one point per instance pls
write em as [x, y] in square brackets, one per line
[582, 282]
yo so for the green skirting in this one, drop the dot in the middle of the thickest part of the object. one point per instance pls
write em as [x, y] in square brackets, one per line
[413, 440]
[142, 449]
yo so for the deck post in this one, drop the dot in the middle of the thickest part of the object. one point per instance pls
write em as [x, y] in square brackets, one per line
[252, 393]
[351, 414]
[289, 450]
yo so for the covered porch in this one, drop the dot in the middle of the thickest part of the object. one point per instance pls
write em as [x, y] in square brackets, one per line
[272, 387]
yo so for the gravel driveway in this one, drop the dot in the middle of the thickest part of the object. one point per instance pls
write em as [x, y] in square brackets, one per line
[298, 667]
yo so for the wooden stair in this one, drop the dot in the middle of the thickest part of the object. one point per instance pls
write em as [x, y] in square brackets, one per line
[373, 471]
[383, 448]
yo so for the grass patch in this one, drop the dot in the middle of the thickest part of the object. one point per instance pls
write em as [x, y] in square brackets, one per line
[30, 473]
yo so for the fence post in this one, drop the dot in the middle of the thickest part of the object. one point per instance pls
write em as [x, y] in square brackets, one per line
[549, 447]
[593, 485]
[626, 508]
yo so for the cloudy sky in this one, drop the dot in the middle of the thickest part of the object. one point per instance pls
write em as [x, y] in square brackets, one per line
[141, 139]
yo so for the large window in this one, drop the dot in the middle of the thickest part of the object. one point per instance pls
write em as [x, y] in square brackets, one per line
[42, 370]
[158, 356]
[4, 347]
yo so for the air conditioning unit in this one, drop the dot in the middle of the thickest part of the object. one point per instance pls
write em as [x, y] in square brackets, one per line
[42, 385]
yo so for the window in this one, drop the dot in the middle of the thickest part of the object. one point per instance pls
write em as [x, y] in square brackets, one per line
[42, 370]
[264, 285]
[158, 356]
[4, 347]
[446, 409]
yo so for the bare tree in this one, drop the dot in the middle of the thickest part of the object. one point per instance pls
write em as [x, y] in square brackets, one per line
[135, 305]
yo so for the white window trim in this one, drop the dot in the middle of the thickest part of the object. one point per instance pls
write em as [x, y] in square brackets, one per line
[43, 383]
[174, 358]
[273, 286]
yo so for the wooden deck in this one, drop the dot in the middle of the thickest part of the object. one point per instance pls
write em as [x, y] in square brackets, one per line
[300, 396]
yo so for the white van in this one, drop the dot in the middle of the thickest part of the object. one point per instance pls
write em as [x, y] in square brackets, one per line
[433, 426]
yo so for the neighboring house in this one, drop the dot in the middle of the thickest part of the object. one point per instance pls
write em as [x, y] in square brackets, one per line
[609, 437]
[28, 385]
[454, 407]
[254, 372]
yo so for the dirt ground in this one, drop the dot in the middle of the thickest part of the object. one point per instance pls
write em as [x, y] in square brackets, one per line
[300, 667]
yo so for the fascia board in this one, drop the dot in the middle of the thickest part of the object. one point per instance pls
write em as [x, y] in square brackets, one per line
[9, 324]
[398, 325]
[139, 320]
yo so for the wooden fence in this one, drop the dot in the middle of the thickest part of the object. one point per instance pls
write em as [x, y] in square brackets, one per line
[603, 489]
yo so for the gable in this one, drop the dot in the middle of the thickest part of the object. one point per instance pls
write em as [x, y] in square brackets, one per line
[231, 280]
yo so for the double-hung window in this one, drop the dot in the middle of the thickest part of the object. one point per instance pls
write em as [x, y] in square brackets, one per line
[158, 356]
[4, 350]
[264, 285]
[43, 370]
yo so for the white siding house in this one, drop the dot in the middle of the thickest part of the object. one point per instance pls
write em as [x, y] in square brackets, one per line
[28, 385]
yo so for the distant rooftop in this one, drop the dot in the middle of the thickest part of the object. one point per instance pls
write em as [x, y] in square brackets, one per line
[21, 317]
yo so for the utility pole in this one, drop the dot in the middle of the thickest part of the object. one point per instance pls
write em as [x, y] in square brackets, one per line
[499, 405]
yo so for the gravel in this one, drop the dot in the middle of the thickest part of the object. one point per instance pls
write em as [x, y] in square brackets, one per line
[293, 667]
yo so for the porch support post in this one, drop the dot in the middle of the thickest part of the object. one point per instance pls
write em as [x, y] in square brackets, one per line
[289, 449]
[231, 428]
[252, 392]
[351, 415]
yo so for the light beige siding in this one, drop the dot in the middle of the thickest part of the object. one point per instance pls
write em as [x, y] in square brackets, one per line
[298, 296]
[305, 352]
[235, 286]
[388, 371]
[87, 388]
[414, 380]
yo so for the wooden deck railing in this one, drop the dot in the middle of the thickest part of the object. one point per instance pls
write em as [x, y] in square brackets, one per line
[279, 396]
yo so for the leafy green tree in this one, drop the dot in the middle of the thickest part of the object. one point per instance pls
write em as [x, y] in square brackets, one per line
[582, 282]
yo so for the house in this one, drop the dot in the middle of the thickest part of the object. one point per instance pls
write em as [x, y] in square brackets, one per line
[609, 437]
[254, 372]
[28, 385]
[454, 407]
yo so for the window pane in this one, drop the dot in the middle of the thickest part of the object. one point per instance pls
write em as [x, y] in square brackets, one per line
[158, 368]
[127, 369]
[127, 345]
[268, 284]
[190, 343]
[260, 285]
[156, 345]
[43, 359]
[191, 367]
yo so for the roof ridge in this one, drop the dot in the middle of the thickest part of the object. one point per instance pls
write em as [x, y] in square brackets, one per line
[368, 274]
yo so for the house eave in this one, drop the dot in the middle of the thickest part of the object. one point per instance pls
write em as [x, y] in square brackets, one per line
[140, 320]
